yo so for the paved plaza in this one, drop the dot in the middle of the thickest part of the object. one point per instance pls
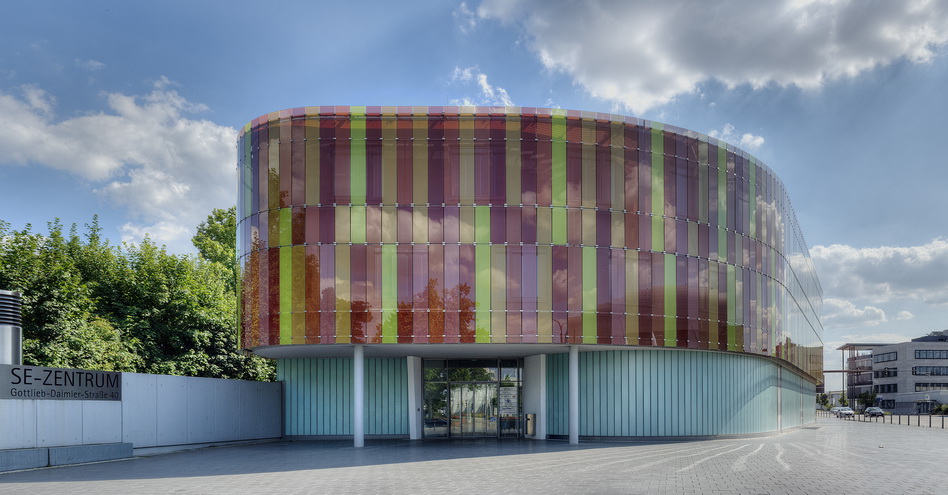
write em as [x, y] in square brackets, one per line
[832, 456]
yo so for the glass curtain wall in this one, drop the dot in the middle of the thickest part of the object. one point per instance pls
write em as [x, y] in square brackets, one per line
[472, 398]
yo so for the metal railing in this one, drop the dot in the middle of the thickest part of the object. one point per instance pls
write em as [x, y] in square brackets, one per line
[918, 420]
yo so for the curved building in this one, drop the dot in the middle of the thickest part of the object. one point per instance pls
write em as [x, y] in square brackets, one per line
[483, 271]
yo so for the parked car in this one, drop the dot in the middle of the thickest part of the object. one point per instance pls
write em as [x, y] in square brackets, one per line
[845, 412]
[834, 411]
[874, 411]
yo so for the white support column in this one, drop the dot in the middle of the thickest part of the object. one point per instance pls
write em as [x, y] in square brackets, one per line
[534, 392]
[414, 397]
[574, 395]
[358, 396]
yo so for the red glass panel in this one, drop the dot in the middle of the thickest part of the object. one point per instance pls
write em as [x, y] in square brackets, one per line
[421, 287]
[528, 226]
[498, 224]
[273, 265]
[359, 308]
[544, 161]
[298, 228]
[574, 226]
[604, 294]
[603, 165]
[327, 158]
[498, 168]
[452, 224]
[312, 224]
[465, 293]
[575, 293]
[298, 162]
[514, 295]
[373, 292]
[528, 295]
[528, 160]
[603, 228]
[263, 169]
[285, 169]
[574, 172]
[452, 162]
[435, 224]
[327, 296]
[435, 161]
[645, 298]
[481, 160]
[373, 160]
[373, 224]
[617, 292]
[404, 234]
[514, 226]
[327, 224]
[436, 292]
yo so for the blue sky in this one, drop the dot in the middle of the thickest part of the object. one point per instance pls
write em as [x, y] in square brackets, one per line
[129, 110]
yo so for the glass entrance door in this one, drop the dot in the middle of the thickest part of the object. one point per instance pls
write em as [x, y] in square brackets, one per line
[472, 398]
[473, 409]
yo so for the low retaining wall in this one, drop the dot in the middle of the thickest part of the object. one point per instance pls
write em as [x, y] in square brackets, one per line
[155, 411]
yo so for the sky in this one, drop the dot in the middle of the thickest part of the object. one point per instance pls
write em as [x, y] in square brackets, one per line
[129, 110]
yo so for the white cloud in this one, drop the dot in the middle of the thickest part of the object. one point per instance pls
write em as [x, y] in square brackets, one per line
[885, 274]
[90, 65]
[904, 315]
[145, 154]
[467, 19]
[487, 94]
[644, 54]
[746, 141]
[840, 313]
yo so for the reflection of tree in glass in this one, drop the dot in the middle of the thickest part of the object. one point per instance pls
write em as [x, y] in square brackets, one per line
[470, 375]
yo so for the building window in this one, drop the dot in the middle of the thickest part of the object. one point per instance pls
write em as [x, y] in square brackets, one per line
[930, 370]
[887, 404]
[885, 357]
[889, 388]
[931, 354]
[885, 373]
[930, 387]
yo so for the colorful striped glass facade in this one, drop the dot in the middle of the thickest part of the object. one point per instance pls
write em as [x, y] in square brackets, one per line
[417, 225]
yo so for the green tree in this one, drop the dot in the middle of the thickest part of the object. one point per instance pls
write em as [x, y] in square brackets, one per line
[216, 241]
[842, 400]
[131, 308]
[867, 399]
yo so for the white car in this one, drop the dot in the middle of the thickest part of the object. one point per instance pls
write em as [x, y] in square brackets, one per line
[834, 411]
[845, 412]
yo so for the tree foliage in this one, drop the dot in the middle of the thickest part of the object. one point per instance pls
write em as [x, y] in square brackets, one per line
[90, 305]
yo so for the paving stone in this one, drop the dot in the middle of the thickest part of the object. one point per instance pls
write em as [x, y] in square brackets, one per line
[835, 456]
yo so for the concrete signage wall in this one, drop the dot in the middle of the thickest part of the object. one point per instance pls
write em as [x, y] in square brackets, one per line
[154, 410]
[37, 382]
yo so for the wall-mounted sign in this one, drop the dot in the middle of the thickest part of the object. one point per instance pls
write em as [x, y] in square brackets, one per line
[37, 382]
[507, 400]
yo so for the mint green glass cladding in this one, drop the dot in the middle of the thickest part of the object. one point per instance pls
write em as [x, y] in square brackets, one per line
[318, 396]
[648, 393]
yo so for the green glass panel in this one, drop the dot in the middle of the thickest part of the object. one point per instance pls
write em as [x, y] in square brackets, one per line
[559, 225]
[559, 161]
[357, 223]
[498, 301]
[658, 188]
[286, 295]
[482, 224]
[713, 304]
[357, 175]
[286, 226]
[722, 245]
[482, 291]
[589, 295]
[389, 293]
[670, 300]
[342, 223]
